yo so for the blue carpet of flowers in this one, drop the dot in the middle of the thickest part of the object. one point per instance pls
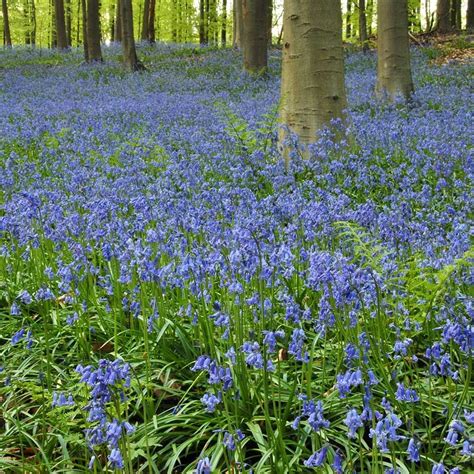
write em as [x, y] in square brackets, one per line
[173, 299]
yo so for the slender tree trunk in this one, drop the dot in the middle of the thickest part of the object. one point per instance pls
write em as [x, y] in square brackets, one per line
[456, 14]
[370, 16]
[146, 16]
[255, 36]
[93, 31]
[393, 50]
[60, 24]
[33, 22]
[7, 38]
[443, 25]
[84, 30]
[26, 22]
[470, 15]
[151, 22]
[53, 36]
[363, 26]
[68, 13]
[130, 58]
[118, 22]
[112, 21]
[202, 21]
[348, 19]
[312, 81]
[224, 23]
[238, 24]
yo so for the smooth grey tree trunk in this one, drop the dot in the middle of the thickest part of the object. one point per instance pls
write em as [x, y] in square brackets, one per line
[7, 38]
[146, 16]
[129, 51]
[118, 22]
[443, 23]
[84, 30]
[255, 35]
[61, 37]
[363, 26]
[151, 22]
[393, 50]
[237, 25]
[312, 82]
[93, 31]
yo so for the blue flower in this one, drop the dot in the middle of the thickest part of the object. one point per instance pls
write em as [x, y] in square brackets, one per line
[317, 459]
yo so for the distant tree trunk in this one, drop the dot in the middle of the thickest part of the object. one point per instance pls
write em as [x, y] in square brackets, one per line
[237, 26]
[312, 80]
[68, 13]
[151, 22]
[348, 19]
[470, 15]
[33, 22]
[118, 22]
[84, 30]
[443, 24]
[60, 24]
[224, 23]
[202, 20]
[255, 37]
[456, 14]
[93, 31]
[112, 21]
[146, 16]
[370, 16]
[130, 58]
[363, 26]
[393, 50]
[7, 38]
[53, 36]
[26, 22]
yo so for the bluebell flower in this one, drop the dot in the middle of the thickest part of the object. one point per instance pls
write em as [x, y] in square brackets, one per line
[413, 451]
[337, 463]
[115, 459]
[210, 401]
[353, 422]
[203, 466]
[317, 459]
[17, 337]
[438, 469]
[60, 400]
[404, 394]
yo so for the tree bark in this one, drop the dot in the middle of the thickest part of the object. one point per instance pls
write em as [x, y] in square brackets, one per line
[118, 22]
[269, 22]
[93, 31]
[130, 58]
[456, 14]
[470, 15]
[348, 19]
[443, 24]
[363, 26]
[84, 30]
[151, 22]
[202, 23]
[146, 16]
[237, 25]
[60, 24]
[224, 23]
[33, 23]
[7, 38]
[312, 81]
[68, 14]
[255, 37]
[393, 50]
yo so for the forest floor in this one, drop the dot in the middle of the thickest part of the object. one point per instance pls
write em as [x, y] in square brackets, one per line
[173, 299]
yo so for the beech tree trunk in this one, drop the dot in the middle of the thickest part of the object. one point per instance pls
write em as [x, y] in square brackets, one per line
[443, 24]
[84, 30]
[470, 15]
[7, 38]
[237, 25]
[129, 51]
[146, 16]
[93, 31]
[456, 14]
[393, 50]
[348, 19]
[151, 22]
[68, 14]
[363, 26]
[255, 36]
[61, 36]
[118, 22]
[269, 22]
[224, 23]
[312, 81]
